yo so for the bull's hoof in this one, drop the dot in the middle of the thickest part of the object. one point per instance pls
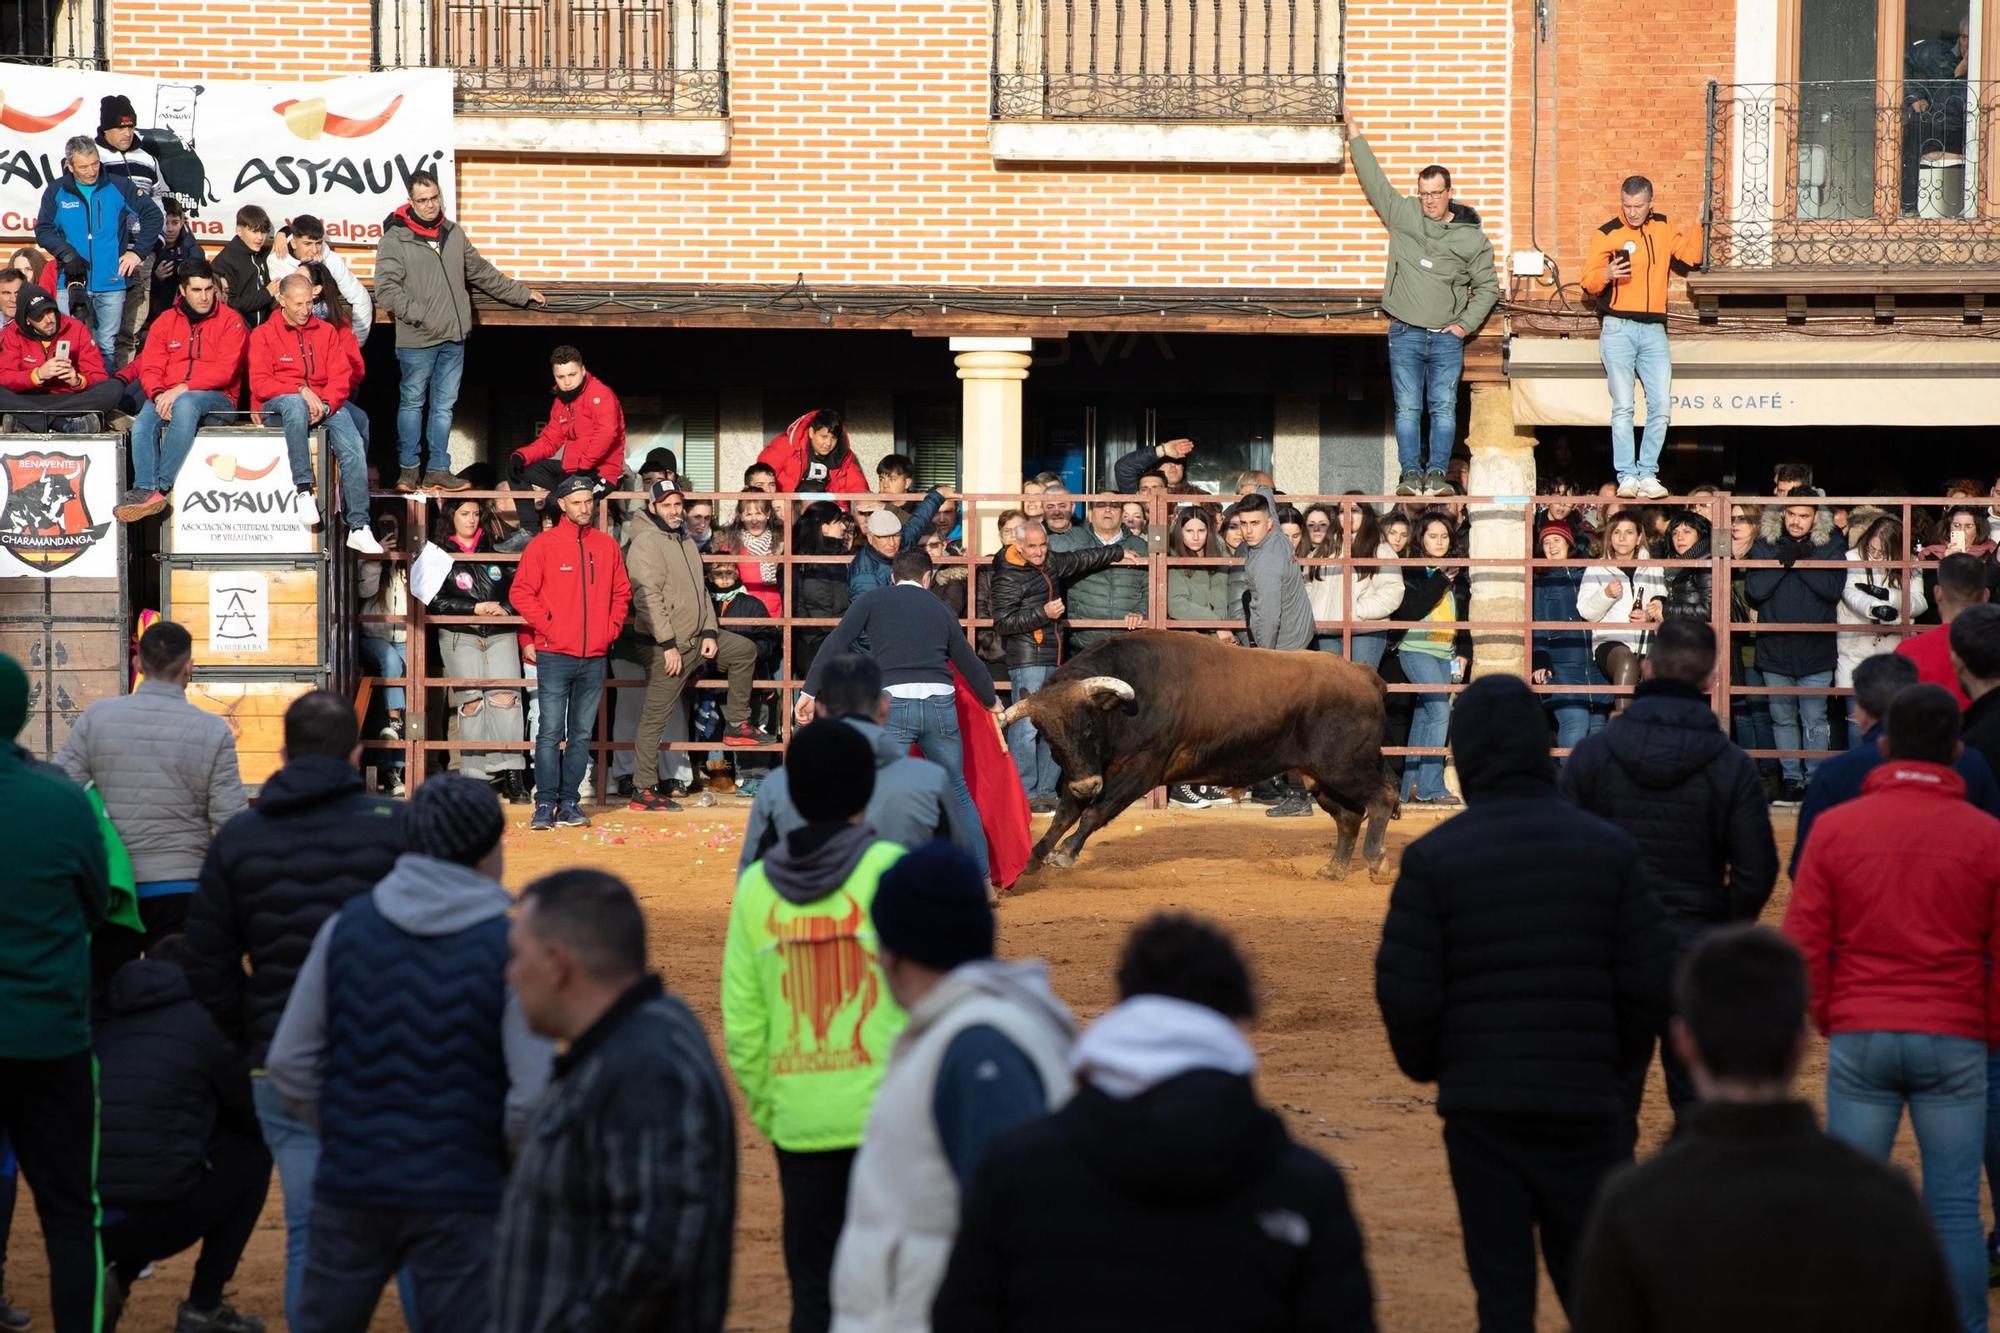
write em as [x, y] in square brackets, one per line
[1061, 860]
[1332, 870]
[1379, 873]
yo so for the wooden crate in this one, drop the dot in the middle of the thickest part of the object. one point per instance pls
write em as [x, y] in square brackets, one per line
[293, 596]
[255, 712]
[70, 637]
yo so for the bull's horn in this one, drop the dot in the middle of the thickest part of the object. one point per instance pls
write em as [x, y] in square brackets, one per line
[1104, 689]
[1015, 712]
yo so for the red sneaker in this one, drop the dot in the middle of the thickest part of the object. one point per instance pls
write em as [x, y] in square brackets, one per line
[745, 734]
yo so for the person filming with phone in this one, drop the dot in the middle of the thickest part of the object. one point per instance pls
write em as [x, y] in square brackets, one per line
[52, 376]
[1631, 258]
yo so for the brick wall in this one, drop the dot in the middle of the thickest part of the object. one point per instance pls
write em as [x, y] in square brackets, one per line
[1623, 92]
[860, 156]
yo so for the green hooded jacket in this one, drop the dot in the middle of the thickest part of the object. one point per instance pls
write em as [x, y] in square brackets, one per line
[1440, 273]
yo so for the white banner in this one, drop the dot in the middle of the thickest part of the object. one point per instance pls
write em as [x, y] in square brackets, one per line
[340, 149]
[239, 611]
[235, 496]
[55, 521]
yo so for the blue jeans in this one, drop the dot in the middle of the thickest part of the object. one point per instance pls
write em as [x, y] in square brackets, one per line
[1869, 1078]
[1368, 648]
[349, 453]
[384, 658]
[1575, 717]
[1628, 348]
[569, 689]
[1424, 369]
[154, 468]
[1032, 759]
[432, 372]
[1752, 717]
[443, 1263]
[932, 726]
[1787, 711]
[1425, 773]
[294, 1148]
[107, 310]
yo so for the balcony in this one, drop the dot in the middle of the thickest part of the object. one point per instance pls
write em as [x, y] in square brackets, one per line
[1167, 80]
[1858, 175]
[591, 69]
[66, 33]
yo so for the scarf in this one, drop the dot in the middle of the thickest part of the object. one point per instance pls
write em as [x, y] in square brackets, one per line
[410, 219]
[762, 543]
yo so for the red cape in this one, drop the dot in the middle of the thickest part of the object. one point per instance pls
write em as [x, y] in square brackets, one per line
[995, 785]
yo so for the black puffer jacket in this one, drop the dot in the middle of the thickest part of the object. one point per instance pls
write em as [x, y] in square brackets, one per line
[819, 592]
[1186, 1207]
[472, 582]
[1790, 596]
[1524, 960]
[1665, 773]
[1688, 590]
[165, 1077]
[1020, 591]
[274, 874]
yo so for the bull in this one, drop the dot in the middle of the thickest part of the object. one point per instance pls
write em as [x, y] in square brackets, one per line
[1156, 707]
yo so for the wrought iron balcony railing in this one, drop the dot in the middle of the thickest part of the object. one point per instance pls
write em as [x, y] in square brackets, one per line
[1258, 61]
[53, 32]
[657, 56]
[1852, 174]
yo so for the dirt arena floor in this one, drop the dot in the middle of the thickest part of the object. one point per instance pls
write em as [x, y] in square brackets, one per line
[1324, 1060]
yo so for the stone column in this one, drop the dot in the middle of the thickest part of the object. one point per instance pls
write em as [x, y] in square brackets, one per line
[992, 370]
[1503, 464]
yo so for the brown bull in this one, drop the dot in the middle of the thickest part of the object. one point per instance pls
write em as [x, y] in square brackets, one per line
[1158, 707]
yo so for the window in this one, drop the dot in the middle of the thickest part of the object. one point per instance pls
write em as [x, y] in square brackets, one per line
[53, 32]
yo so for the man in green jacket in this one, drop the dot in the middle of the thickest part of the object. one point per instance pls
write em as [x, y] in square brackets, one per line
[1117, 593]
[54, 897]
[807, 1017]
[1438, 289]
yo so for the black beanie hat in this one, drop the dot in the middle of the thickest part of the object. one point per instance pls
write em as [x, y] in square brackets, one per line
[455, 819]
[661, 460]
[832, 770]
[114, 111]
[931, 908]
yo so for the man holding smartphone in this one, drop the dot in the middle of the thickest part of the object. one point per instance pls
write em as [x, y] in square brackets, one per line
[1631, 258]
[50, 368]
[1438, 289]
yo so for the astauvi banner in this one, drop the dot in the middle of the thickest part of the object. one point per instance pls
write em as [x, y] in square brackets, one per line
[340, 149]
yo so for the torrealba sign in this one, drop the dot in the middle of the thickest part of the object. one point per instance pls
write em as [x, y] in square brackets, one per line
[235, 495]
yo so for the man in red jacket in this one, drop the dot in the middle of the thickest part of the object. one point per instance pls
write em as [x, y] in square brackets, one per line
[585, 433]
[1896, 908]
[191, 369]
[300, 373]
[52, 376]
[571, 588]
[1961, 582]
[813, 455]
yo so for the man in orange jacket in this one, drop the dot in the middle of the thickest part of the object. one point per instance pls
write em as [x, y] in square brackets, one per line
[1631, 257]
[300, 374]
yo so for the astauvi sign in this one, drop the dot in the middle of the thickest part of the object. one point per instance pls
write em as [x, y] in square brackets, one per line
[235, 496]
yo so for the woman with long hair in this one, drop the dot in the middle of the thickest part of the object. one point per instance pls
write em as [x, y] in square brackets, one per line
[1690, 595]
[819, 587]
[1434, 652]
[1873, 596]
[1373, 592]
[1626, 599]
[1197, 592]
[469, 530]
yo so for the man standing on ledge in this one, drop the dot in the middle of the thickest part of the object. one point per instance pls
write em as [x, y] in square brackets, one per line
[423, 265]
[1437, 291]
[1631, 258]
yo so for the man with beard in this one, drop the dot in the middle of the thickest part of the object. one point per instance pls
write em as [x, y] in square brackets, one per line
[585, 433]
[191, 369]
[813, 454]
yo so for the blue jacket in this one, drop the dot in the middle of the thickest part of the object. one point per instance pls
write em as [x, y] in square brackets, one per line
[1555, 599]
[115, 220]
[1838, 780]
[871, 570]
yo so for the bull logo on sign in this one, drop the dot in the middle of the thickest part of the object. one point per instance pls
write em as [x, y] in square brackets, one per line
[44, 521]
[827, 971]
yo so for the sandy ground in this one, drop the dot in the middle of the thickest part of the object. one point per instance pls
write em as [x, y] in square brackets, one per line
[1324, 1060]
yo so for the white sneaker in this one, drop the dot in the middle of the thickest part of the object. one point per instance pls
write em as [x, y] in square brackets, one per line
[364, 541]
[1629, 488]
[1651, 489]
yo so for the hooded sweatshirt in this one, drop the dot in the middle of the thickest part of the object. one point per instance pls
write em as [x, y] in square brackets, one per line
[911, 804]
[1161, 1196]
[1666, 773]
[402, 1027]
[807, 1019]
[986, 1050]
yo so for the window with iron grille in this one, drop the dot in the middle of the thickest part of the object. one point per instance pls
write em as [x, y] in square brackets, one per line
[1257, 61]
[664, 57]
[53, 32]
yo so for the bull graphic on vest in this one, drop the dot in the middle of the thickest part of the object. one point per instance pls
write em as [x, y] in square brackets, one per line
[828, 972]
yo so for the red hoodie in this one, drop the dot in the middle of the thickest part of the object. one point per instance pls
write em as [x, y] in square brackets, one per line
[283, 358]
[588, 431]
[22, 353]
[572, 590]
[206, 353]
[788, 454]
[1896, 907]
